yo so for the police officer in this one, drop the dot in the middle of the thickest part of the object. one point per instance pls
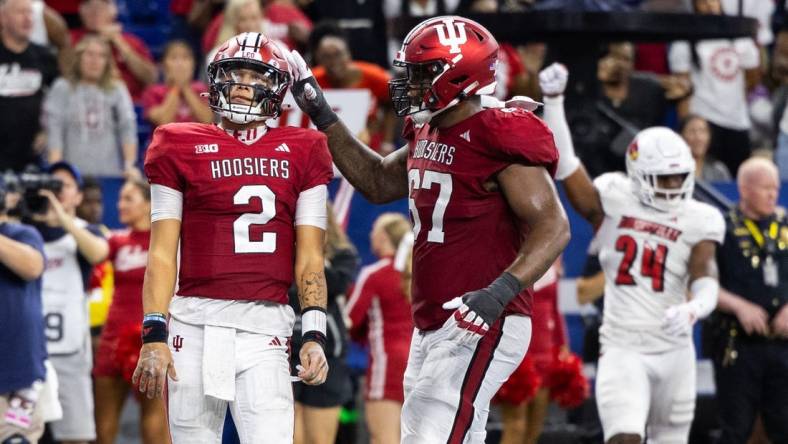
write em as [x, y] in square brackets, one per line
[751, 355]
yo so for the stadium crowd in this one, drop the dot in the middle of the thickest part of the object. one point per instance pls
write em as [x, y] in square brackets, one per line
[83, 84]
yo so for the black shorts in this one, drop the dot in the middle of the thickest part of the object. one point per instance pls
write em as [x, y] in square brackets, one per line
[335, 392]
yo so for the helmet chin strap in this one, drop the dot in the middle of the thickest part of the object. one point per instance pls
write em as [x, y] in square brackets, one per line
[425, 115]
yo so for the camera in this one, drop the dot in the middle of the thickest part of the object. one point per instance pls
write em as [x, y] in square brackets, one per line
[28, 185]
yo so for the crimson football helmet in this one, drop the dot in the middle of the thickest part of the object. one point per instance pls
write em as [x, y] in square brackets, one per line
[254, 61]
[446, 59]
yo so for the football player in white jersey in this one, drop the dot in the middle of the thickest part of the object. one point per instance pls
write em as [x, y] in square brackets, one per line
[656, 242]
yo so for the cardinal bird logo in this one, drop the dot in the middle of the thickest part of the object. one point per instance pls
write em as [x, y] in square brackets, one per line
[633, 151]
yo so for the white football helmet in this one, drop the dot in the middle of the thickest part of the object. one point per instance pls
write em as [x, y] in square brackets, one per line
[655, 152]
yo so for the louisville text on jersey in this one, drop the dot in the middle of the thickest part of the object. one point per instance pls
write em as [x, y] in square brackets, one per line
[654, 228]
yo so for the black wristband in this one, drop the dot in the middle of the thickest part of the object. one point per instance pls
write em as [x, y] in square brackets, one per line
[505, 288]
[314, 336]
[154, 331]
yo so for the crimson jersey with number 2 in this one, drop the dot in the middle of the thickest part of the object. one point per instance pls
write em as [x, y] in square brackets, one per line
[239, 204]
[466, 233]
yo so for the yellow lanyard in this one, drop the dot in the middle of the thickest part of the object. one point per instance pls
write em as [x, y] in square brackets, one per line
[756, 233]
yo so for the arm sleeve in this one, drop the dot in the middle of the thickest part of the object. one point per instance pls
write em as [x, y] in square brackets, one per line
[340, 271]
[521, 137]
[360, 300]
[55, 115]
[127, 119]
[165, 203]
[679, 58]
[161, 164]
[320, 169]
[311, 207]
[555, 118]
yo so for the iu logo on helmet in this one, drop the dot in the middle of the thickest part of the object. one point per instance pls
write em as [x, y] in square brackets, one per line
[452, 35]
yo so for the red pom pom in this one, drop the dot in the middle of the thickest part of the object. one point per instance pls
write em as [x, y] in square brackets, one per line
[521, 386]
[568, 386]
[126, 351]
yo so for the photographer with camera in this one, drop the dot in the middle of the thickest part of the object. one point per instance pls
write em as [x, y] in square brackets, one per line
[72, 247]
[22, 345]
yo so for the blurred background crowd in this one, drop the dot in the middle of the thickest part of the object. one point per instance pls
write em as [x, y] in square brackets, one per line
[83, 83]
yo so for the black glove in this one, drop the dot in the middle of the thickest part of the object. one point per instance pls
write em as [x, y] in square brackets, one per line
[476, 310]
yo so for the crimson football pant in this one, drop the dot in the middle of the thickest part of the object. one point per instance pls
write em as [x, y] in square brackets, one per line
[448, 386]
[253, 367]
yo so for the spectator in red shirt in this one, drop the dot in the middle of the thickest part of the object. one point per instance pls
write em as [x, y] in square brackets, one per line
[177, 99]
[379, 306]
[336, 69]
[131, 55]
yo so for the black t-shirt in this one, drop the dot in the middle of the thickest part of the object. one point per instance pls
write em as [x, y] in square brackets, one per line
[603, 140]
[23, 80]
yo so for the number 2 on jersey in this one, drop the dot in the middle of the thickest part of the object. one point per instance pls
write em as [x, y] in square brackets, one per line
[652, 264]
[417, 182]
[243, 244]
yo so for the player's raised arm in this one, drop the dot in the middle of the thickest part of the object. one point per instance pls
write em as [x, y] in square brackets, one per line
[579, 188]
[380, 179]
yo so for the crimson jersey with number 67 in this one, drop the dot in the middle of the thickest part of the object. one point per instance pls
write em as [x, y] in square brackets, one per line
[239, 204]
[466, 233]
[645, 256]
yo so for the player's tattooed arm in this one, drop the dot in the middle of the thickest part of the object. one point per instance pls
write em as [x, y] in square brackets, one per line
[379, 179]
[534, 200]
[309, 267]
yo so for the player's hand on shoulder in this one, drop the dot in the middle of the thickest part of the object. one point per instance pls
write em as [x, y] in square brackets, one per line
[473, 314]
[307, 93]
[153, 367]
[678, 320]
[314, 365]
[552, 80]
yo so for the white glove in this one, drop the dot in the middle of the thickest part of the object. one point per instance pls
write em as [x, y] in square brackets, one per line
[464, 326]
[679, 319]
[552, 80]
[298, 67]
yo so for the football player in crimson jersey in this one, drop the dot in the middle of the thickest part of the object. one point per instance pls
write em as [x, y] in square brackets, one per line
[247, 203]
[487, 220]
[655, 242]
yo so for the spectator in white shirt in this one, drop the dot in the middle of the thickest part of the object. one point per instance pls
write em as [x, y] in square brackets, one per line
[721, 71]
